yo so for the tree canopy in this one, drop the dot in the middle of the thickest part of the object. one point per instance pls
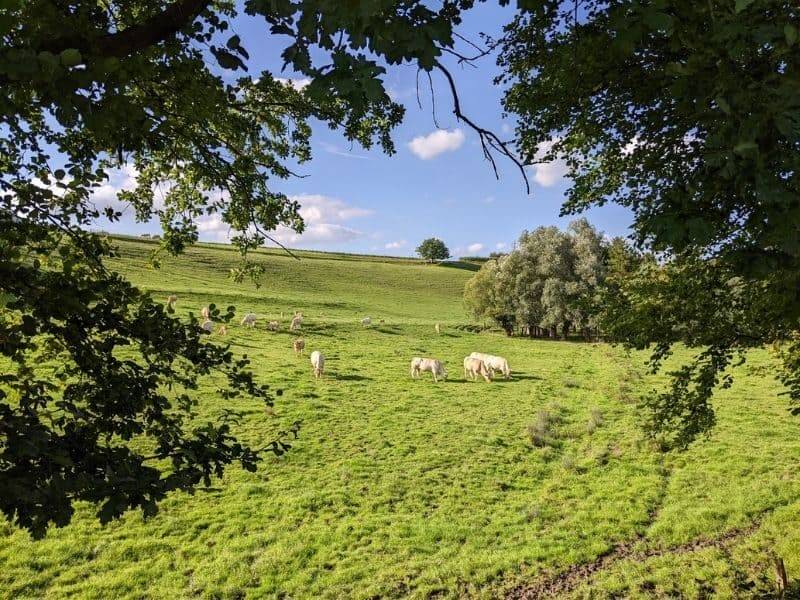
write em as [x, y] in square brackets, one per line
[546, 285]
[690, 117]
[164, 88]
[433, 249]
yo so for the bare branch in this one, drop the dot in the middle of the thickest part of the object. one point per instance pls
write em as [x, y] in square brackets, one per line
[489, 140]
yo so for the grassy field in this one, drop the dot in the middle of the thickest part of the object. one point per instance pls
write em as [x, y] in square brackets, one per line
[401, 488]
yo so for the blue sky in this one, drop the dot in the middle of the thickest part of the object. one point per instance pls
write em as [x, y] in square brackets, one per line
[437, 184]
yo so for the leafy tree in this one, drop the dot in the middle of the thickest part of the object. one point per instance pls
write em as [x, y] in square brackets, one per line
[99, 381]
[489, 294]
[433, 249]
[690, 117]
[547, 284]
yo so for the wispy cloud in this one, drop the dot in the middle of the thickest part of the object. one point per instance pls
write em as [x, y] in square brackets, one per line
[333, 149]
[475, 248]
[395, 245]
[437, 142]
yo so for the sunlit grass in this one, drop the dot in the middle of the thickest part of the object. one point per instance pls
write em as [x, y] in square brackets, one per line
[408, 488]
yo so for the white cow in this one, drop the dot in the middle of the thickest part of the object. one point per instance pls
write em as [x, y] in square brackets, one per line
[296, 321]
[420, 365]
[473, 367]
[318, 363]
[366, 321]
[273, 326]
[208, 326]
[494, 363]
[205, 312]
[249, 320]
[298, 345]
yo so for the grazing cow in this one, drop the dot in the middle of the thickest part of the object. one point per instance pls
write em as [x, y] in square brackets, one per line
[208, 326]
[223, 330]
[298, 345]
[249, 320]
[474, 367]
[171, 300]
[420, 365]
[318, 363]
[273, 326]
[438, 329]
[494, 363]
[296, 321]
[205, 312]
[366, 321]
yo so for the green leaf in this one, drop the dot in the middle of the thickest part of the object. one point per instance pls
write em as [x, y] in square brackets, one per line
[742, 5]
[658, 20]
[745, 147]
[71, 57]
[790, 31]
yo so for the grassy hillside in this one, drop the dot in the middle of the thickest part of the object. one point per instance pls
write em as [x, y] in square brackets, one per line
[401, 488]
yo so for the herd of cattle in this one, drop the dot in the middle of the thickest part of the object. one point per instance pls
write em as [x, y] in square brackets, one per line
[476, 365]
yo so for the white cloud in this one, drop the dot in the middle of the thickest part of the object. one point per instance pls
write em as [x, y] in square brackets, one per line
[506, 128]
[297, 84]
[548, 174]
[316, 208]
[489, 199]
[118, 180]
[324, 217]
[319, 233]
[433, 144]
[475, 248]
[501, 245]
[395, 245]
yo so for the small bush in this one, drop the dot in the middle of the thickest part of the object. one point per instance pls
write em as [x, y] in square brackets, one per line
[571, 382]
[595, 420]
[542, 432]
[567, 462]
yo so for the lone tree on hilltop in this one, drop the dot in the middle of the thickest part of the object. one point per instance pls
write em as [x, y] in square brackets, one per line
[433, 249]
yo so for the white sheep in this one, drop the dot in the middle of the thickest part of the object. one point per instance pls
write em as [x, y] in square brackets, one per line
[249, 320]
[420, 365]
[494, 363]
[205, 312]
[318, 363]
[298, 345]
[438, 329]
[273, 326]
[296, 321]
[223, 330]
[171, 300]
[473, 367]
[208, 326]
[366, 321]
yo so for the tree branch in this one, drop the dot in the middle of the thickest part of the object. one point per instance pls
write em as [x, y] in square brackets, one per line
[133, 39]
[489, 140]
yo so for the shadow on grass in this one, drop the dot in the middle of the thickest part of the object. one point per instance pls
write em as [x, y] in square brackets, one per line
[460, 264]
[387, 330]
[352, 377]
